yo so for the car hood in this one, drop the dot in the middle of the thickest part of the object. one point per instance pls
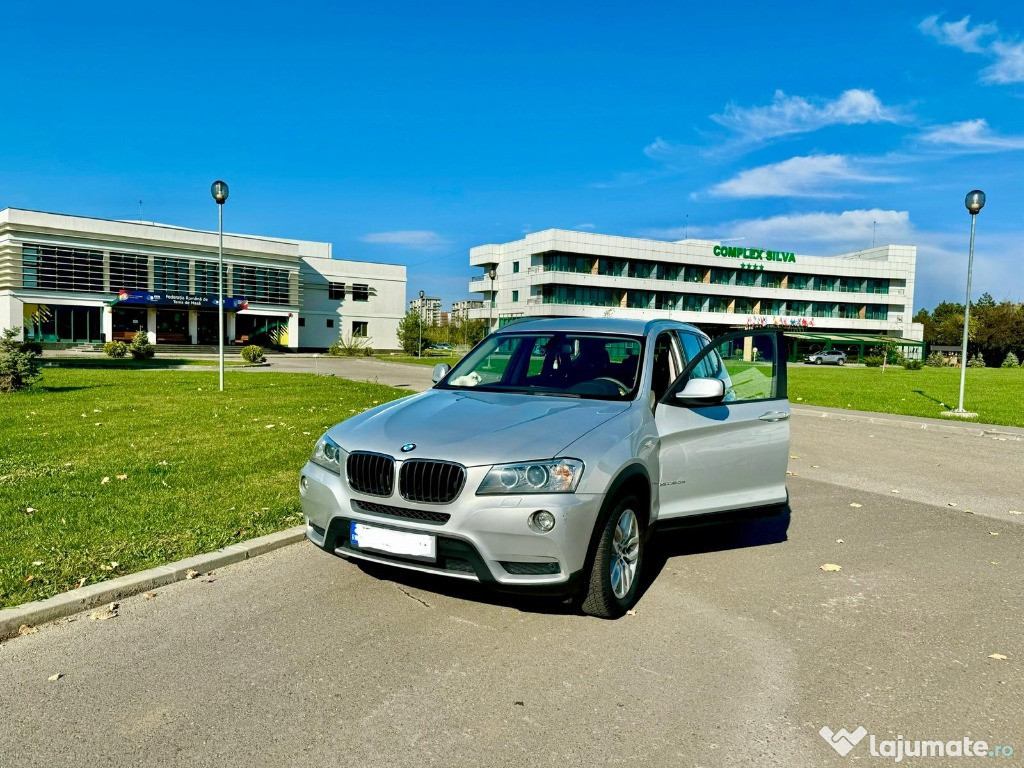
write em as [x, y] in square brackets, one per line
[474, 428]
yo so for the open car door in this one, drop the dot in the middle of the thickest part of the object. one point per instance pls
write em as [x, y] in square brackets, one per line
[724, 426]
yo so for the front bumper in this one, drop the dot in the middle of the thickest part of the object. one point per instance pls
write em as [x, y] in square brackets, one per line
[486, 538]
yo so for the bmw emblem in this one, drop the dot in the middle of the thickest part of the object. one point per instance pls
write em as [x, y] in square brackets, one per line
[408, 447]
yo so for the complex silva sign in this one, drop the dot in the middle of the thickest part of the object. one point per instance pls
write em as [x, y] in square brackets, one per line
[183, 300]
[753, 254]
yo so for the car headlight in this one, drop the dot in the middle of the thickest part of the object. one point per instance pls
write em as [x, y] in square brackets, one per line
[553, 476]
[327, 454]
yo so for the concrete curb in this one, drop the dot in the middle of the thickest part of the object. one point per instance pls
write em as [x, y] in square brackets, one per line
[911, 422]
[67, 603]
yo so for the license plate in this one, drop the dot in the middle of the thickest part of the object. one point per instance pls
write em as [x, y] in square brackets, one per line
[419, 545]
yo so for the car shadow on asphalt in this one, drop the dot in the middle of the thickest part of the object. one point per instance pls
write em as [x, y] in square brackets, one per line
[735, 533]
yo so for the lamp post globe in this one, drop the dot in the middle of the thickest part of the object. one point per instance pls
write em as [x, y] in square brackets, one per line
[219, 190]
[974, 201]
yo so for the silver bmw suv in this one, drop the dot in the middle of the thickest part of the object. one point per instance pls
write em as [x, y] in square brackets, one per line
[546, 457]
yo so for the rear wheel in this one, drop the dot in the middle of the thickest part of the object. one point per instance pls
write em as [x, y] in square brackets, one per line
[615, 575]
[840, 361]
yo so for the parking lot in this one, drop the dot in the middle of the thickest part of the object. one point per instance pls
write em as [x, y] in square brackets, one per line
[740, 650]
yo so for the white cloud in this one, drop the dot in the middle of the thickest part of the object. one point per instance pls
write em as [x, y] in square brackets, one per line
[834, 232]
[812, 176]
[958, 33]
[973, 135]
[1009, 64]
[794, 114]
[406, 238]
[1007, 53]
[663, 150]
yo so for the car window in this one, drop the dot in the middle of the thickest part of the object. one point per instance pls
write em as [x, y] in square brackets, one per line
[747, 365]
[667, 363]
[580, 365]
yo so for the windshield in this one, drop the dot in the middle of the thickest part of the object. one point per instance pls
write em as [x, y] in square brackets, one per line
[563, 364]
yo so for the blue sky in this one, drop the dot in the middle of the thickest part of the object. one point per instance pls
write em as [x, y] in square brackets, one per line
[409, 132]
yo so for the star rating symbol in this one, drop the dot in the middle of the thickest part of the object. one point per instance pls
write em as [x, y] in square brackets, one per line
[754, 267]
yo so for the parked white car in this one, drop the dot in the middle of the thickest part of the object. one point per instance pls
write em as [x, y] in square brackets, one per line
[548, 455]
[830, 356]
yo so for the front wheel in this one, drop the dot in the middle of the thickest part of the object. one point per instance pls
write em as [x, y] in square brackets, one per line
[615, 575]
[818, 361]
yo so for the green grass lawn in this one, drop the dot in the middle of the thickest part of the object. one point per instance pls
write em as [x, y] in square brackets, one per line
[995, 394]
[129, 364]
[202, 469]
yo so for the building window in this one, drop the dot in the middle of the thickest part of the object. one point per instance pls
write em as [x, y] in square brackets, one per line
[62, 269]
[336, 291]
[129, 272]
[262, 284]
[360, 292]
[330, 322]
[170, 275]
[515, 295]
[515, 267]
[302, 322]
[206, 277]
[360, 329]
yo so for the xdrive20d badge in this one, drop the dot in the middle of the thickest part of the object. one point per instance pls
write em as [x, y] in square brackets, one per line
[549, 454]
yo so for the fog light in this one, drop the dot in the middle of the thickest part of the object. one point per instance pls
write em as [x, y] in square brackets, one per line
[542, 520]
[303, 484]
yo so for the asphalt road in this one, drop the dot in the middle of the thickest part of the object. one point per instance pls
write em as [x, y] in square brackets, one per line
[740, 650]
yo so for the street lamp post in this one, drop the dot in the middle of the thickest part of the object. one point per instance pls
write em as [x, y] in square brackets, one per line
[974, 201]
[491, 273]
[419, 349]
[219, 190]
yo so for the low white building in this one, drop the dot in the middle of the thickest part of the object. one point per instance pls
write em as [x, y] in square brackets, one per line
[78, 279]
[714, 286]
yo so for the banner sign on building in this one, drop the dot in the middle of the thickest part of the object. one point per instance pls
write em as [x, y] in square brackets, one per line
[181, 300]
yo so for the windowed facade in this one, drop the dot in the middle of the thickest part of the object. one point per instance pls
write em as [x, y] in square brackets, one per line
[61, 269]
[336, 291]
[360, 292]
[360, 329]
[206, 277]
[129, 272]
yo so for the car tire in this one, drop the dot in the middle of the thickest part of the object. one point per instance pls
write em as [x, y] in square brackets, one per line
[840, 361]
[818, 361]
[614, 582]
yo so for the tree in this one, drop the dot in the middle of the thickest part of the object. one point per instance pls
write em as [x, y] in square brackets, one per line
[19, 368]
[410, 333]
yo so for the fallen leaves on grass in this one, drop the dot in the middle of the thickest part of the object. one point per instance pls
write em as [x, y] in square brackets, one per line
[831, 567]
[110, 567]
[26, 629]
[37, 562]
[110, 612]
[104, 481]
[81, 583]
[122, 477]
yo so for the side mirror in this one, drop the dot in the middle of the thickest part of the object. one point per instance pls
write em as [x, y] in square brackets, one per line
[440, 371]
[701, 392]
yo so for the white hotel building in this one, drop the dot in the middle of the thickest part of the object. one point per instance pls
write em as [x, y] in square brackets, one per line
[846, 300]
[77, 279]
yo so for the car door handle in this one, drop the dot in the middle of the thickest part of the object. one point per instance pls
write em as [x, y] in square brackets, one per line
[774, 416]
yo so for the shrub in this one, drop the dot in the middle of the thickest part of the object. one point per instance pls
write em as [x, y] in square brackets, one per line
[1011, 361]
[936, 360]
[19, 369]
[977, 361]
[873, 361]
[31, 346]
[910, 364]
[140, 348]
[253, 353]
[351, 347]
[116, 349]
